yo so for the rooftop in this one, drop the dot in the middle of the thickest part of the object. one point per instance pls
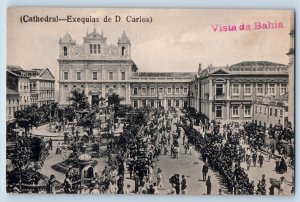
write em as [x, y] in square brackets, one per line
[13, 68]
[257, 63]
[183, 75]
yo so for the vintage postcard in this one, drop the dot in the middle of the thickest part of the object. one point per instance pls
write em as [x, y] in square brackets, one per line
[150, 101]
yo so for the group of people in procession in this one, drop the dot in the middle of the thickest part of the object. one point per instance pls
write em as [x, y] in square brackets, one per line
[223, 152]
[143, 141]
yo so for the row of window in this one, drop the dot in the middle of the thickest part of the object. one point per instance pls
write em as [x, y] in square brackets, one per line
[12, 110]
[271, 90]
[47, 95]
[160, 91]
[94, 49]
[170, 103]
[82, 86]
[25, 98]
[235, 111]
[24, 85]
[13, 101]
[271, 112]
[95, 76]
[47, 84]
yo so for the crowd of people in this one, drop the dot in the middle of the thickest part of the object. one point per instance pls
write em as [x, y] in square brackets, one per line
[222, 151]
[145, 138]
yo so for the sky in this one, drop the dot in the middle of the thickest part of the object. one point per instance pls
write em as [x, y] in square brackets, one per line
[177, 39]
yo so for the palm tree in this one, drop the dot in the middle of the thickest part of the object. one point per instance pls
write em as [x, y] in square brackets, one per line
[79, 99]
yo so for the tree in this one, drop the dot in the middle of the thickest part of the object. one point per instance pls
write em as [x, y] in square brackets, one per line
[28, 155]
[114, 99]
[79, 100]
[29, 150]
[88, 121]
[70, 113]
[28, 117]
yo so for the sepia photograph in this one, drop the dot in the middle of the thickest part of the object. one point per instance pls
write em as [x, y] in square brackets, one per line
[103, 101]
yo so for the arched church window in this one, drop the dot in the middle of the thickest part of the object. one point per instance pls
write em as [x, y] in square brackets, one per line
[65, 51]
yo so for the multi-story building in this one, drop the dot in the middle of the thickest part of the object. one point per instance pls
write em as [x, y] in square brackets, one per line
[269, 111]
[227, 93]
[101, 69]
[27, 87]
[98, 68]
[160, 89]
[12, 95]
[23, 86]
[42, 89]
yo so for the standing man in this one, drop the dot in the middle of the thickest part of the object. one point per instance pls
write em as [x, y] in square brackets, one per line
[248, 162]
[260, 160]
[177, 184]
[254, 157]
[120, 184]
[50, 144]
[159, 179]
[208, 185]
[204, 171]
[183, 185]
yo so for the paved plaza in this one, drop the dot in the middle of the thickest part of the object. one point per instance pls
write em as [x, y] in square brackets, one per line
[189, 164]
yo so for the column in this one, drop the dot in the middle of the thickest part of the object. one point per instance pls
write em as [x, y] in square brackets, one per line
[277, 90]
[228, 110]
[210, 90]
[128, 93]
[61, 93]
[254, 91]
[210, 110]
[228, 90]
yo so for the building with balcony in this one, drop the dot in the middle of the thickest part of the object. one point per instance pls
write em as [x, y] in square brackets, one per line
[27, 87]
[23, 86]
[42, 89]
[228, 93]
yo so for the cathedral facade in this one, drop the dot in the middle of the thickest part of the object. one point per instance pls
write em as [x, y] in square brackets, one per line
[101, 69]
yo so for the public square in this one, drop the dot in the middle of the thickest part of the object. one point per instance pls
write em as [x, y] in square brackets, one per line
[148, 108]
[189, 162]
